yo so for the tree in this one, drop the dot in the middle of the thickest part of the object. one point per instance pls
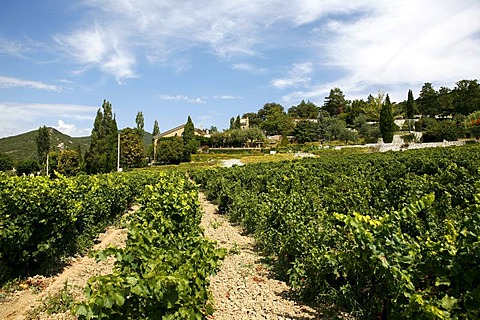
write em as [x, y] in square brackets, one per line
[42, 140]
[306, 131]
[68, 162]
[254, 135]
[445, 101]
[410, 105]
[335, 103]
[369, 132]
[189, 141]
[132, 150]
[140, 121]
[238, 125]
[355, 109]
[387, 125]
[102, 155]
[304, 110]
[27, 167]
[6, 163]
[466, 96]
[274, 119]
[170, 150]
[156, 129]
[253, 119]
[427, 100]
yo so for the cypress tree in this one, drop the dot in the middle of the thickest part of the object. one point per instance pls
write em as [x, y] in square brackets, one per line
[102, 154]
[189, 140]
[409, 106]
[387, 125]
[43, 144]
[140, 121]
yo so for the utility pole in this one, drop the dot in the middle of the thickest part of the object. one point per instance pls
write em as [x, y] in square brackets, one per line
[118, 153]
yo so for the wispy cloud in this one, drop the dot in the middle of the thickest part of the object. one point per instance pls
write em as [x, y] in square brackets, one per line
[361, 44]
[299, 75]
[8, 82]
[226, 97]
[102, 48]
[168, 97]
[249, 68]
[397, 46]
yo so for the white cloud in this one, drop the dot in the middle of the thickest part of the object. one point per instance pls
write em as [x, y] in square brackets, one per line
[8, 82]
[362, 44]
[299, 75]
[249, 68]
[226, 97]
[168, 97]
[23, 117]
[72, 130]
[396, 46]
[102, 48]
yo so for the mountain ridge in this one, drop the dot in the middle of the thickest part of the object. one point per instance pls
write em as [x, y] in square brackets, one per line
[22, 146]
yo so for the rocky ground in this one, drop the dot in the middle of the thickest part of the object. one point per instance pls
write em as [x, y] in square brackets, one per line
[244, 288]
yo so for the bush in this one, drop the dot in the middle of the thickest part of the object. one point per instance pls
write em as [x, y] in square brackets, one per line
[170, 150]
[27, 167]
[6, 163]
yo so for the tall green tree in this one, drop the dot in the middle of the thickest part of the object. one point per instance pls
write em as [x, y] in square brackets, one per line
[387, 125]
[190, 142]
[238, 125]
[306, 131]
[42, 140]
[427, 100]
[335, 103]
[132, 151]
[410, 105]
[275, 120]
[466, 96]
[156, 129]
[253, 119]
[102, 155]
[304, 110]
[140, 121]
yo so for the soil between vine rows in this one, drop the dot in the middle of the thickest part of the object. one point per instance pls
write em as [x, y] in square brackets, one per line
[242, 289]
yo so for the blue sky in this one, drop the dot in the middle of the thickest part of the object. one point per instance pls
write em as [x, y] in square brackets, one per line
[216, 59]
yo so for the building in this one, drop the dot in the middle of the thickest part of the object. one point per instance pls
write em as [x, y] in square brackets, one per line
[244, 123]
[177, 132]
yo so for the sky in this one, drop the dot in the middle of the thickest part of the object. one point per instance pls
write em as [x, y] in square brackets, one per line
[214, 60]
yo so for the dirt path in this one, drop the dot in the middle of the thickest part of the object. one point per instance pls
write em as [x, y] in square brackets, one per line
[20, 304]
[243, 288]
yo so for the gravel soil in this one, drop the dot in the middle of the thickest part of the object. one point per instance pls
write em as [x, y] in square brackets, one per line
[244, 287]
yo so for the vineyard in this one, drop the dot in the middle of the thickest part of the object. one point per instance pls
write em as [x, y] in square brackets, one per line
[163, 270]
[390, 236]
[380, 236]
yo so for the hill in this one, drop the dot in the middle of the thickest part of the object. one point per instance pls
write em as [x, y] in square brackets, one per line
[22, 146]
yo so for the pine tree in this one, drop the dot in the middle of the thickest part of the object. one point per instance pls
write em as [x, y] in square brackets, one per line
[387, 125]
[409, 105]
[102, 155]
